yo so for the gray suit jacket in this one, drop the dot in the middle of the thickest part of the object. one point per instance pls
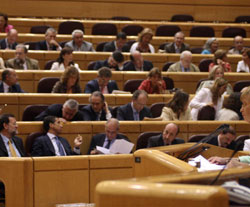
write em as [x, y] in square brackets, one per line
[176, 67]
[32, 64]
[86, 46]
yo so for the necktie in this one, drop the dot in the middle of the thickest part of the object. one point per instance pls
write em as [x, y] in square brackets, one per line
[60, 148]
[108, 144]
[10, 89]
[12, 150]
[136, 116]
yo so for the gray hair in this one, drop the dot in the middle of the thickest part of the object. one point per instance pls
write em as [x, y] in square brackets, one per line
[71, 104]
[209, 43]
[50, 29]
[114, 120]
[185, 53]
[23, 47]
[77, 31]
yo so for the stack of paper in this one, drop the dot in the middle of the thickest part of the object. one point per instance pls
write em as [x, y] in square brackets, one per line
[120, 146]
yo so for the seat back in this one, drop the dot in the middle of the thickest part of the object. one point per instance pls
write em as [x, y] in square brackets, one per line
[46, 84]
[197, 137]
[167, 30]
[91, 65]
[121, 18]
[48, 64]
[31, 45]
[162, 45]
[166, 66]
[31, 111]
[104, 29]
[202, 31]
[40, 29]
[196, 50]
[206, 113]
[199, 82]
[156, 109]
[169, 83]
[68, 27]
[132, 85]
[242, 19]
[132, 29]
[129, 44]
[239, 85]
[100, 46]
[182, 18]
[241, 139]
[234, 31]
[204, 64]
[30, 140]
[142, 141]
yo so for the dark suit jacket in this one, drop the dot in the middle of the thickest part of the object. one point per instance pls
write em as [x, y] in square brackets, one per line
[110, 47]
[56, 110]
[98, 140]
[3, 45]
[103, 63]
[129, 66]
[157, 141]
[214, 141]
[90, 115]
[169, 48]
[43, 147]
[93, 85]
[125, 112]
[41, 45]
[15, 88]
[18, 143]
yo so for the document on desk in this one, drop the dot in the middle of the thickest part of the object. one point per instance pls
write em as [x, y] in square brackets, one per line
[120, 146]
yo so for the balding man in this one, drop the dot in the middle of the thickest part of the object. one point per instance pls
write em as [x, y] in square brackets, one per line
[168, 137]
[137, 63]
[238, 45]
[178, 46]
[185, 64]
[108, 138]
[10, 42]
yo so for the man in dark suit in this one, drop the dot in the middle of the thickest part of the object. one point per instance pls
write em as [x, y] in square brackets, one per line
[50, 42]
[9, 82]
[137, 63]
[107, 139]
[136, 110]
[10, 41]
[178, 46]
[98, 109]
[118, 44]
[51, 144]
[102, 82]
[68, 111]
[168, 137]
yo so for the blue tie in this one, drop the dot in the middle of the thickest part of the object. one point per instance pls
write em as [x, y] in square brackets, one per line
[108, 144]
[60, 148]
[136, 116]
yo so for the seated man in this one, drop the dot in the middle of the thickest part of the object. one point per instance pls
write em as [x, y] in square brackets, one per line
[107, 139]
[21, 61]
[77, 43]
[50, 42]
[185, 64]
[102, 82]
[238, 45]
[117, 45]
[51, 144]
[178, 46]
[68, 111]
[98, 109]
[137, 63]
[9, 82]
[168, 137]
[136, 110]
[114, 62]
[10, 144]
[10, 42]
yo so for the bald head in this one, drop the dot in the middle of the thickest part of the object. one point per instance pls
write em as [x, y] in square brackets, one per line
[238, 43]
[169, 133]
[112, 128]
[137, 59]
[12, 36]
[179, 38]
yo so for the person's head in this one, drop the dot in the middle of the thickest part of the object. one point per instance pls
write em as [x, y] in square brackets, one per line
[52, 124]
[238, 42]
[21, 52]
[226, 136]
[154, 75]
[137, 59]
[179, 38]
[246, 54]
[211, 44]
[233, 102]
[3, 20]
[12, 36]
[66, 55]
[220, 55]
[112, 128]
[104, 76]
[218, 88]
[97, 101]
[216, 72]
[186, 58]
[8, 125]
[115, 58]
[139, 99]
[77, 36]
[69, 109]
[179, 102]
[121, 39]
[245, 108]
[145, 36]
[50, 34]
[169, 133]
[9, 76]
[70, 77]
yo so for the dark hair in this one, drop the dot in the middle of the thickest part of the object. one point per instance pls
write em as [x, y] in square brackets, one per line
[121, 35]
[65, 50]
[105, 72]
[97, 94]
[233, 102]
[178, 102]
[137, 93]
[229, 130]
[5, 16]
[46, 122]
[4, 119]
[5, 73]
[118, 56]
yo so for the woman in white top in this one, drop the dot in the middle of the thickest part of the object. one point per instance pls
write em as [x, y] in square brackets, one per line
[143, 43]
[244, 64]
[65, 59]
[209, 96]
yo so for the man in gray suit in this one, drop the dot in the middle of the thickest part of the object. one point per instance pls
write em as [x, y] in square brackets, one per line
[78, 44]
[178, 46]
[185, 64]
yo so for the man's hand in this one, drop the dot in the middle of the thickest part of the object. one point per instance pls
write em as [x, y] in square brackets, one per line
[53, 42]
[78, 141]
[94, 152]
[218, 160]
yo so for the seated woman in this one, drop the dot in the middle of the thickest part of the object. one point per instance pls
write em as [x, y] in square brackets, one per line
[65, 59]
[69, 82]
[231, 108]
[209, 96]
[4, 26]
[177, 108]
[220, 58]
[215, 72]
[210, 46]
[154, 83]
[143, 43]
[244, 64]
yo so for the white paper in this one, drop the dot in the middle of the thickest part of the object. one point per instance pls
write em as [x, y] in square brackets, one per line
[102, 150]
[121, 146]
